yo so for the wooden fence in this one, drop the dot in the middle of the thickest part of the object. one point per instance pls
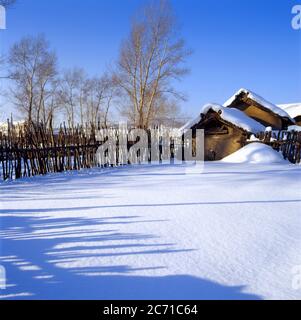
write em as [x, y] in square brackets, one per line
[31, 149]
[286, 142]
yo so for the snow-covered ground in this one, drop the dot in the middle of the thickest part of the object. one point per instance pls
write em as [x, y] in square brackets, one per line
[158, 232]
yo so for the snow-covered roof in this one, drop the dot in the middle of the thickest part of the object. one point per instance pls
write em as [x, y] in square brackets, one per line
[293, 109]
[232, 115]
[255, 97]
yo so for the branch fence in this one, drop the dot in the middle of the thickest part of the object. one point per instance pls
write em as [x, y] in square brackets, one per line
[32, 149]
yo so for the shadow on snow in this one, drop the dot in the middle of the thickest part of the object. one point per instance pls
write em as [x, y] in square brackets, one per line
[37, 260]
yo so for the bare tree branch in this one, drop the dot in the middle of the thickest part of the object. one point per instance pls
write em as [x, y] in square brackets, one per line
[32, 71]
[150, 60]
[7, 3]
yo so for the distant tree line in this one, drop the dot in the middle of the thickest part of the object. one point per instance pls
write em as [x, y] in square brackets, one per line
[139, 86]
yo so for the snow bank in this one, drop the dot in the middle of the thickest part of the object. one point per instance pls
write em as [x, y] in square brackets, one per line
[293, 109]
[255, 97]
[255, 153]
[233, 116]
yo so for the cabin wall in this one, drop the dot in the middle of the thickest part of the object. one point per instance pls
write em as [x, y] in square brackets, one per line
[218, 147]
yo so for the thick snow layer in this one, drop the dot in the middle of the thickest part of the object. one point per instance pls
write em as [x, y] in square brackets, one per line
[293, 109]
[231, 115]
[157, 232]
[255, 153]
[255, 97]
[294, 128]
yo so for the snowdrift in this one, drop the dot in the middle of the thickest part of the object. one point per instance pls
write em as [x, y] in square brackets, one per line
[255, 153]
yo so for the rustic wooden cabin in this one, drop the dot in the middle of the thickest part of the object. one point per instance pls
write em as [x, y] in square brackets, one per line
[260, 110]
[226, 130]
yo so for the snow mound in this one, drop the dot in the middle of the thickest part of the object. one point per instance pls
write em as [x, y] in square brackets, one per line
[256, 152]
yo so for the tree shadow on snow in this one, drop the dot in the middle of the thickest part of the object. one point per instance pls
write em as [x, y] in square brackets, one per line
[45, 259]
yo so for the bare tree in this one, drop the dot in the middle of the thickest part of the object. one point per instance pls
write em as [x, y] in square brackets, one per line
[85, 100]
[100, 93]
[32, 70]
[7, 3]
[168, 113]
[46, 90]
[51, 106]
[95, 96]
[71, 95]
[111, 92]
[150, 60]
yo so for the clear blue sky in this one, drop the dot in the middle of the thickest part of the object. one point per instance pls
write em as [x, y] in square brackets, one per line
[236, 43]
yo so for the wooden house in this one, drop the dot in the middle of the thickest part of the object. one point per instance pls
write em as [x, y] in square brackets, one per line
[260, 110]
[226, 130]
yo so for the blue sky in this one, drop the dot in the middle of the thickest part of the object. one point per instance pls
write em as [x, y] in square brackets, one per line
[236, 43]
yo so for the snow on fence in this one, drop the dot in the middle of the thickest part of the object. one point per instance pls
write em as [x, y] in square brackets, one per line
[32, 149]
[286, 142]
